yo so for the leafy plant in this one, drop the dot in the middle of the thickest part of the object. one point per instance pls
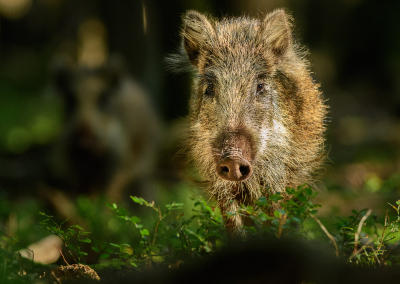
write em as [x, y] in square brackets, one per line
[173, 238]
[280, 214]
[12, 267]
[66, 236]
[373, 249]
[122, 254]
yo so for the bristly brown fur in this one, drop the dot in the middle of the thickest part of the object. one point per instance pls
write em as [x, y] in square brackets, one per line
[282, 125]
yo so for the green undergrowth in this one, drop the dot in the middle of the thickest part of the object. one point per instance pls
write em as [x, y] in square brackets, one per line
[166, 235]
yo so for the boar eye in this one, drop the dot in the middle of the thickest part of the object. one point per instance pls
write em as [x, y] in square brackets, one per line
[260, 87]
[209, 90]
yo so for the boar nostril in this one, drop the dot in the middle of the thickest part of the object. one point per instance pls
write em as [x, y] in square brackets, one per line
[244, 170]
[225, 169]
[234, 169]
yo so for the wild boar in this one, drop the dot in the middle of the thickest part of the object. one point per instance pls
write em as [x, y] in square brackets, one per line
[256, 116]
[110, 135]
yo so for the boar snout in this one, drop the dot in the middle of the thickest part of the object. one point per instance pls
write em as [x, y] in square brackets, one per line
[234, 168]
[234, 163]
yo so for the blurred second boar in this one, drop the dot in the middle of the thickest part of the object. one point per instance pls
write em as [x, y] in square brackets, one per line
[111, 130]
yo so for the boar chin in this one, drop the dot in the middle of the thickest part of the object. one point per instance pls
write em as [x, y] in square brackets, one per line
[247, 191]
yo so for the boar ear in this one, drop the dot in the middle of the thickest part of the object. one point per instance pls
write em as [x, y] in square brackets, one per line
[197, 29]
[276, 30]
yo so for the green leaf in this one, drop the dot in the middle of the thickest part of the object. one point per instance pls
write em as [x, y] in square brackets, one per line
[109, 250]
[354, 212]
[302, 198]
[201, 239]
[276, 197]
[174, 206]
[136, 199]
[86, 241]
[109, 206]
[78, 227]
[135, 219]
[276, 213]
[144, 232]
[44, 214]
[115, 245]
[308, 191]
[83, 253]
[126, 245]
[141, 201]
[296, 219]
[104, 255]
[283, 212]
[262, 201]
[290, 190]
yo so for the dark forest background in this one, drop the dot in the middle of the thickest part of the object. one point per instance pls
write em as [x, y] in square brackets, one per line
[354, 50]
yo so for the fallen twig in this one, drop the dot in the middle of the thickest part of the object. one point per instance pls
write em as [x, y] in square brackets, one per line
[327, 233]
[59, 249]
[359, 229]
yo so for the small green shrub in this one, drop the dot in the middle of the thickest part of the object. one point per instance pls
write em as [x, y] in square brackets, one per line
[361, 241]
[67, 235]
[174, 237]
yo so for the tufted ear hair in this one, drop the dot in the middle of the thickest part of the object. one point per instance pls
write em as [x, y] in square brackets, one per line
[276, 30]
[197, 31]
